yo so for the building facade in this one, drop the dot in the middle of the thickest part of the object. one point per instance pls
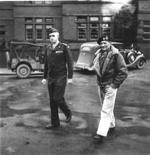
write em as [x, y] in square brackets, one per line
[143, 30]
[77, 21]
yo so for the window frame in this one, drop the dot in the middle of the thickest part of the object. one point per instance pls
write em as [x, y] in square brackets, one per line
[146, 24]
[36, 32]
[26, 32]
[34, 21]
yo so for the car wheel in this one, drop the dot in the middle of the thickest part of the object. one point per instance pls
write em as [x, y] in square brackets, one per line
[140, 63]
[23, 71]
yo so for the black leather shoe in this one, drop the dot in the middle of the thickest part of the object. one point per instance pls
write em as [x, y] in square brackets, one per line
[68, 118]
[112, 130]
[99, 138]
[52, 127]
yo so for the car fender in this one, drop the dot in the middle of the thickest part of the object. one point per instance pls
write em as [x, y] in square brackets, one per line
[7, 54]
[24, 62]
[133, 64]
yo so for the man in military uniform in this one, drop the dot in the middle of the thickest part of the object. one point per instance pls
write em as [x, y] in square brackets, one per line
[58, 70]
[111, 72]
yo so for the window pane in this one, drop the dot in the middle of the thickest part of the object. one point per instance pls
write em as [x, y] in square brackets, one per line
[39, 32]
[28, 20]
[38, 20]
[106, 32]
[94, 34]
[106, 19]
[38, 26]
[81, 25]
[105, 29]
[82, 34]
[82, 19]
[93, 19]
[49, 20]
[93, 25]
[29, 32]
[38, 2]
[105, 25]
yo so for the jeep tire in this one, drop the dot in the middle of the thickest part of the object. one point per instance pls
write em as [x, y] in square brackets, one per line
[23, 71]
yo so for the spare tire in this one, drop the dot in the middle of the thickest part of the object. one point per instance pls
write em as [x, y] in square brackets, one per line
[23, 71]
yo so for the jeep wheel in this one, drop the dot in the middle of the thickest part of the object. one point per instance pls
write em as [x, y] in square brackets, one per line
[23, 71]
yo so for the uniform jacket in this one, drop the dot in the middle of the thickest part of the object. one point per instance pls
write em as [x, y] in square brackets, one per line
[113, 71]
[58, 61]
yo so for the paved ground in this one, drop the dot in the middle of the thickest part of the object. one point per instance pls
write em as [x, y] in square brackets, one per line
[25, 112]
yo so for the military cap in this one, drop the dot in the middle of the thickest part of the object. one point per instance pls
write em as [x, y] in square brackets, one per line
[52, 30]
[103, 38]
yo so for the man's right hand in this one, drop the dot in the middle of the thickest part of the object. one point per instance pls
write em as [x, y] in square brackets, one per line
[43, 81]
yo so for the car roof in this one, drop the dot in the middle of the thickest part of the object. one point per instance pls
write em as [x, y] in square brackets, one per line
[96, 44]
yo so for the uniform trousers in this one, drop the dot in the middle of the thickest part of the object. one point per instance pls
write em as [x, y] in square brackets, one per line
[56, 89]
[107, 96]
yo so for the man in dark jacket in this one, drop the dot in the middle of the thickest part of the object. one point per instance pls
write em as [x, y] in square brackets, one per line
[58, 68]
[111, 71]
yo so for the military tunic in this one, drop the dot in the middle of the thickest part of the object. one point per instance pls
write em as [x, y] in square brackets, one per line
[58, 67]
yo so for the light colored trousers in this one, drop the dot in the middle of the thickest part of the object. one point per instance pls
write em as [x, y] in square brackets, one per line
[107, 97]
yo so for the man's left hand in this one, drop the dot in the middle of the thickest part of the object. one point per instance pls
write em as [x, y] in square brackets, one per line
[113, 86]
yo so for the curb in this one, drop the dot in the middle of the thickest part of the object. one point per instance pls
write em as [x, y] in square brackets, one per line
[5, 71]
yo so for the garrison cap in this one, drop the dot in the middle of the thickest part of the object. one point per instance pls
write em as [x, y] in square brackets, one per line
[52, 30]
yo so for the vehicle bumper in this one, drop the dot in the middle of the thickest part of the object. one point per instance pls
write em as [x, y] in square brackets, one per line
[83, 67]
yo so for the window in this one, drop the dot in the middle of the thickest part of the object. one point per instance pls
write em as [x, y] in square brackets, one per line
[38, 20]
[106, 25]
[28, 20]
[146, 30]
[82, 19]
[37, 28]
[49, 20]
[94, 19]
[29, 32]
[94, 31]
[82, 28]
[92, 27]
[39, 2]
[105, 29]
[82, 32]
